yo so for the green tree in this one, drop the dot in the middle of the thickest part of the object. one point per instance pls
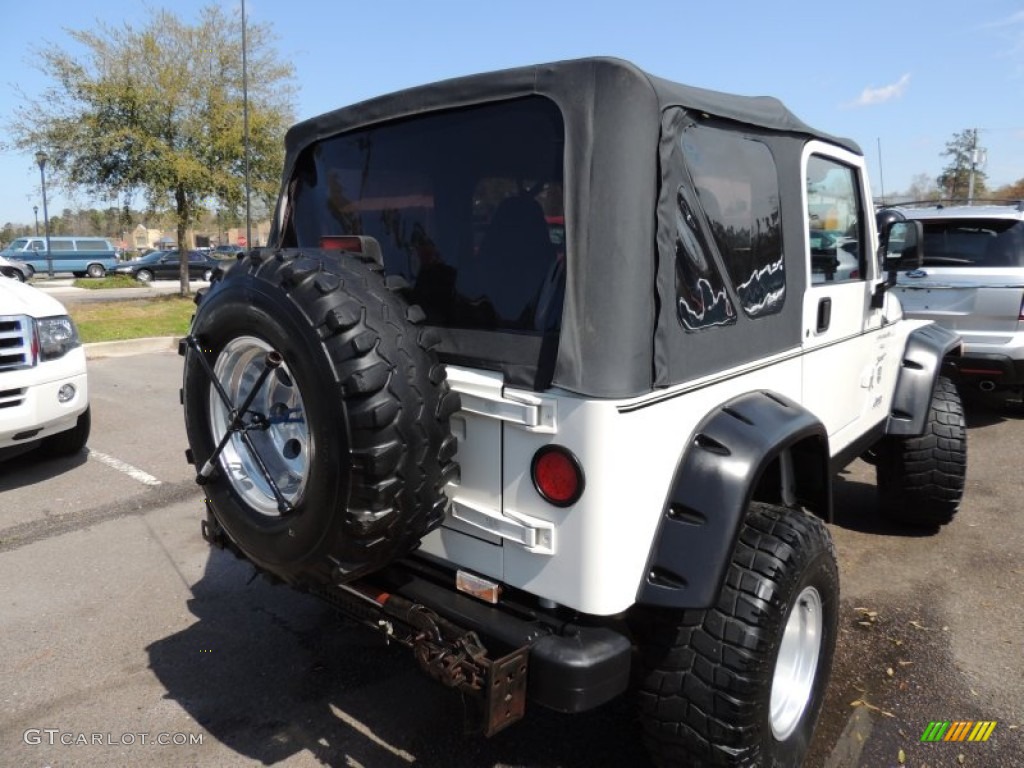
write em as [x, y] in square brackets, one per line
[157, 110]
[962, 152]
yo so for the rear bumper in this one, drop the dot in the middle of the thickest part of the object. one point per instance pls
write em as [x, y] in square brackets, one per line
[989, 370]
[500, 654]
[573, 667]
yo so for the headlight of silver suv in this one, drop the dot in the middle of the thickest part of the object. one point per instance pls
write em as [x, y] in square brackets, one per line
[57, 337]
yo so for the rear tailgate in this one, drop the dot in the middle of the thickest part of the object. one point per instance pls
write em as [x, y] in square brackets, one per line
[975, 302]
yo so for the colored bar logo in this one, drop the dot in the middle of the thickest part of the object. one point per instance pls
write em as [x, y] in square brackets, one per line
[958, 730]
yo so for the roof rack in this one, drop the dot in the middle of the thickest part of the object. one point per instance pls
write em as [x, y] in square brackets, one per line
[942, 202]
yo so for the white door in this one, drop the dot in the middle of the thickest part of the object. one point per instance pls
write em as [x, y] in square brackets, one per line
[844, 345]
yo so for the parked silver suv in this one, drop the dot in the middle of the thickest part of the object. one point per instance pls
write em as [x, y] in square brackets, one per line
[972, 282]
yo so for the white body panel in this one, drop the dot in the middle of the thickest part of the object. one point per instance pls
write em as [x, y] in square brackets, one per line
[600, 545]
[591, 556]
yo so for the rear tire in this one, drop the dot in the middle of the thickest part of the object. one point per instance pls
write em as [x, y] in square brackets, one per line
[356, 432]
[742, 683]
[71, 441]
[921, 479]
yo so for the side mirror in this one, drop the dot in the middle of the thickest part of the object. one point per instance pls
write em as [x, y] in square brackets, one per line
[901, 246]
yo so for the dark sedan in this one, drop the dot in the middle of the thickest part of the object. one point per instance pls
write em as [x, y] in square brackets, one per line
[167, 264]
[16, 269]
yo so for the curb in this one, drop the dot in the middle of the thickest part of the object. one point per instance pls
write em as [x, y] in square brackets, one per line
[100, 349]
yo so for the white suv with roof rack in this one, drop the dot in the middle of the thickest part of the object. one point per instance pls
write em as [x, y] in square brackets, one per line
[972, 282]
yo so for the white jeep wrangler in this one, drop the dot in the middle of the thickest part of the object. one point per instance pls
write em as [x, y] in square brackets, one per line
[541, 377]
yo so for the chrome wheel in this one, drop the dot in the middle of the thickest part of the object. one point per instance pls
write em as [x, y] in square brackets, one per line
[797, 663]
[278, 430]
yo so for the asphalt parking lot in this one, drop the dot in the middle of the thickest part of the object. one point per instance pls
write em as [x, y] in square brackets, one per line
[122, 630]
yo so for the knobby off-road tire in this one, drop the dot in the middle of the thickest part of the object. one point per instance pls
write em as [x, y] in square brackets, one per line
[741, 684]
[357, 434]
[921, 479]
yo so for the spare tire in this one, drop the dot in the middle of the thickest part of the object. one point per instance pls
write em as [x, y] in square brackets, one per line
[352, 424]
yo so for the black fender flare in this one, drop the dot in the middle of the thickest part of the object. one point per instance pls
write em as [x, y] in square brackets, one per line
[922, 360]
[714, 483]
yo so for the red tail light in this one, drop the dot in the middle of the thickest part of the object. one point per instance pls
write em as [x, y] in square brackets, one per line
[351, 243]
[367, 246]
[557, 475]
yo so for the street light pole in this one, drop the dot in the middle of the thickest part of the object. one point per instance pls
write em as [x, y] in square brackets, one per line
[245, 133]
[35, 211]
[41, 159]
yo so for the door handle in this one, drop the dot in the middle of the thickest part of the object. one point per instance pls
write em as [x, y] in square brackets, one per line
[824, 315]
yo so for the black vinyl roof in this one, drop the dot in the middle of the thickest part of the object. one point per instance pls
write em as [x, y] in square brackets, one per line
[613, 114]
[761, 111]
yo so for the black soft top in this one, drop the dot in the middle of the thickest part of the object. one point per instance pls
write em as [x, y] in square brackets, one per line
[613, 124]
[575, 83]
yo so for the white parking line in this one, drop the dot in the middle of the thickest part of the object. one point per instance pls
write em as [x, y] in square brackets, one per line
[365, 731]
[133, 472]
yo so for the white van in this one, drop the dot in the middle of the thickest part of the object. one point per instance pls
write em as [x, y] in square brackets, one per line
[44, 393]
[92, 256]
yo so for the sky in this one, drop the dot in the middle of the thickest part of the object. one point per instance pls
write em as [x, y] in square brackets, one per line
[900, 78]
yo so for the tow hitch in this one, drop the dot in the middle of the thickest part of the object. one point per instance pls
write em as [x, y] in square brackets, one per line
[455, 657]
[449, 654]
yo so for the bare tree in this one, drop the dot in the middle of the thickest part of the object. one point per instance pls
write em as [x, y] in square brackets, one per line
[157, 110]
[923, 187]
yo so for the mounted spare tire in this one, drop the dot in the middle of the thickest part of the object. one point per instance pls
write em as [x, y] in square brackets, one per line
[351, 424]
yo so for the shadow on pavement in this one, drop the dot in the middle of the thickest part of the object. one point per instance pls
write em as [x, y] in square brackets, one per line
[856, 508]
[270, 673]
[33, 468]
[983, 410]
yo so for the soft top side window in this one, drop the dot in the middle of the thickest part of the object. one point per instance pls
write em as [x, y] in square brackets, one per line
[738, 188]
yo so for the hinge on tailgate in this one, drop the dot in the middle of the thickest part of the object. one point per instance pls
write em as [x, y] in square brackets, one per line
[484, 394]
[537, 536]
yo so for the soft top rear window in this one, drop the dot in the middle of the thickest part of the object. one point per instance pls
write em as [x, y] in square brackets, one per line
[973, 243]
[466, 204]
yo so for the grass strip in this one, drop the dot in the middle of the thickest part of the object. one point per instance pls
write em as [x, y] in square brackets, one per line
[132, 318]
[110, 281]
